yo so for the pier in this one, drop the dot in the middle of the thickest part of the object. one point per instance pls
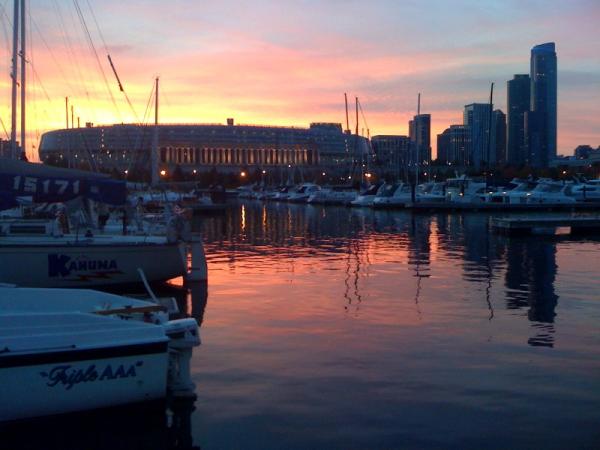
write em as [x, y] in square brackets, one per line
[505, 207]
[525, 226]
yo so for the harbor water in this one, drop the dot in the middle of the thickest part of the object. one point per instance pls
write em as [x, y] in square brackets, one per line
[332, 327]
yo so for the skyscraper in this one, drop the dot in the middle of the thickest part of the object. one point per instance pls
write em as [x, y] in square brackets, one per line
[542, 147]
[518, 99]
[454, 145]
[499, 128]
[476, 116]
[420, 134]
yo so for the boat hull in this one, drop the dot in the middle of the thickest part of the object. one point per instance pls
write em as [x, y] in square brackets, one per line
[89, 265]
[46, 384]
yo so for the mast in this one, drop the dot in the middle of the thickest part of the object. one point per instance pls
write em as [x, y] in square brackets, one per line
[23, 70]
[154, 154]
[347, 121]
[358, 149]
[489, 141]
[416, 125]
[15, 53]
[67, 111]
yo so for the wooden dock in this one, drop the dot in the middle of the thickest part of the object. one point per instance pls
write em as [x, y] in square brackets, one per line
[518, 226]
[428, 207]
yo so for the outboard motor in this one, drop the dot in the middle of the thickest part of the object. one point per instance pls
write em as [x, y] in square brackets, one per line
[183, 336]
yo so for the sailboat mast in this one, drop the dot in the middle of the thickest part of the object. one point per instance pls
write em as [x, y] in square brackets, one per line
[489, 141]
[15, 53]
[154, 155]
[347, 121]
[418, 143]
[23, 70]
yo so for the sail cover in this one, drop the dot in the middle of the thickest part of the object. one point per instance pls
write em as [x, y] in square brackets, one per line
[54, 184]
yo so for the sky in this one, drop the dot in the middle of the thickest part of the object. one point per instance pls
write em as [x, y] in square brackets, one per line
[290, 62]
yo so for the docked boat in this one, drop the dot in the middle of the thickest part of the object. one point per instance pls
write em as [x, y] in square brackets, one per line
[69, 350]
[517, 192]
[35, 253]
[303, 192]
[464, 189]
[332, 196]
[366, 197]
[393, 195]
[552, 193]
[586, 191]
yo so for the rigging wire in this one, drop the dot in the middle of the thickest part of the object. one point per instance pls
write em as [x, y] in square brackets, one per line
[144, 129]
[95, 53]
[112, 65]
[82, 85]
[6, 20]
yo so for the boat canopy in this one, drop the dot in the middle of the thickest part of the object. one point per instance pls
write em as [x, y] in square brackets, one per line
[54, 184]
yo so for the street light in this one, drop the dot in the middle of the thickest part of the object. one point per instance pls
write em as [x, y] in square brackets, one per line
[163, 172]
[243, 174]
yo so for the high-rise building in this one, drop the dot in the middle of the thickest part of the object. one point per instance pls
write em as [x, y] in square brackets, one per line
[477, 117]
[542, 140]
[420, 136]
[518, 100]
[391, 153]
[454, 145]
[499, 128]
[443, 146]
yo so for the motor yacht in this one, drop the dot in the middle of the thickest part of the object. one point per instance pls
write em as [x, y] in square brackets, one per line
[301, 194]
[366, 197]
[516, 192]
[464, 189]
[551, 192]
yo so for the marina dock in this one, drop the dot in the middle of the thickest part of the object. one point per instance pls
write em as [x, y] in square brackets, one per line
[525, 226]
[505, 207]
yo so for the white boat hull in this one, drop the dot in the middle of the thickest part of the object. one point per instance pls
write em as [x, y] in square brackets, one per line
[81, 265]
[66, 384]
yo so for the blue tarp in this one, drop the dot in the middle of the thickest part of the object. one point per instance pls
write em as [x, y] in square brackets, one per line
[51, 184]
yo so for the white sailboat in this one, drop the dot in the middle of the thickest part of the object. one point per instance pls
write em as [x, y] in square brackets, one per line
[67, 350]
[35, 254]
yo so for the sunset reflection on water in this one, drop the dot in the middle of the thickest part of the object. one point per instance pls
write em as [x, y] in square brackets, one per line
[344, 328]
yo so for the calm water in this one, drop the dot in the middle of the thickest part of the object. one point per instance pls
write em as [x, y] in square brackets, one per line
[330, 327]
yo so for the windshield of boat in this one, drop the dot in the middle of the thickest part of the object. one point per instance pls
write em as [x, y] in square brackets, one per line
[550, 188]
[388, 190]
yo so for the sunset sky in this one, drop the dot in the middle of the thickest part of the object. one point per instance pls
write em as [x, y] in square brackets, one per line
[290, 62]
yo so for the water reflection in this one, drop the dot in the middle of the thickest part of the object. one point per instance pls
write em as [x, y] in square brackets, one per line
[273, 238]
[530, 276]
[156, 425]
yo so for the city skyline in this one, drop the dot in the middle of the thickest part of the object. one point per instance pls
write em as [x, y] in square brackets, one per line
[290, 63]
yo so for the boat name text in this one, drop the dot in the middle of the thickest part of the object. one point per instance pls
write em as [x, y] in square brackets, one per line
[68, 376]
[64, 265]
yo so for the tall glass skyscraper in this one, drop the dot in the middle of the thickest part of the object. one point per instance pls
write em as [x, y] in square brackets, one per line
[542, 136]
[518, 99]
